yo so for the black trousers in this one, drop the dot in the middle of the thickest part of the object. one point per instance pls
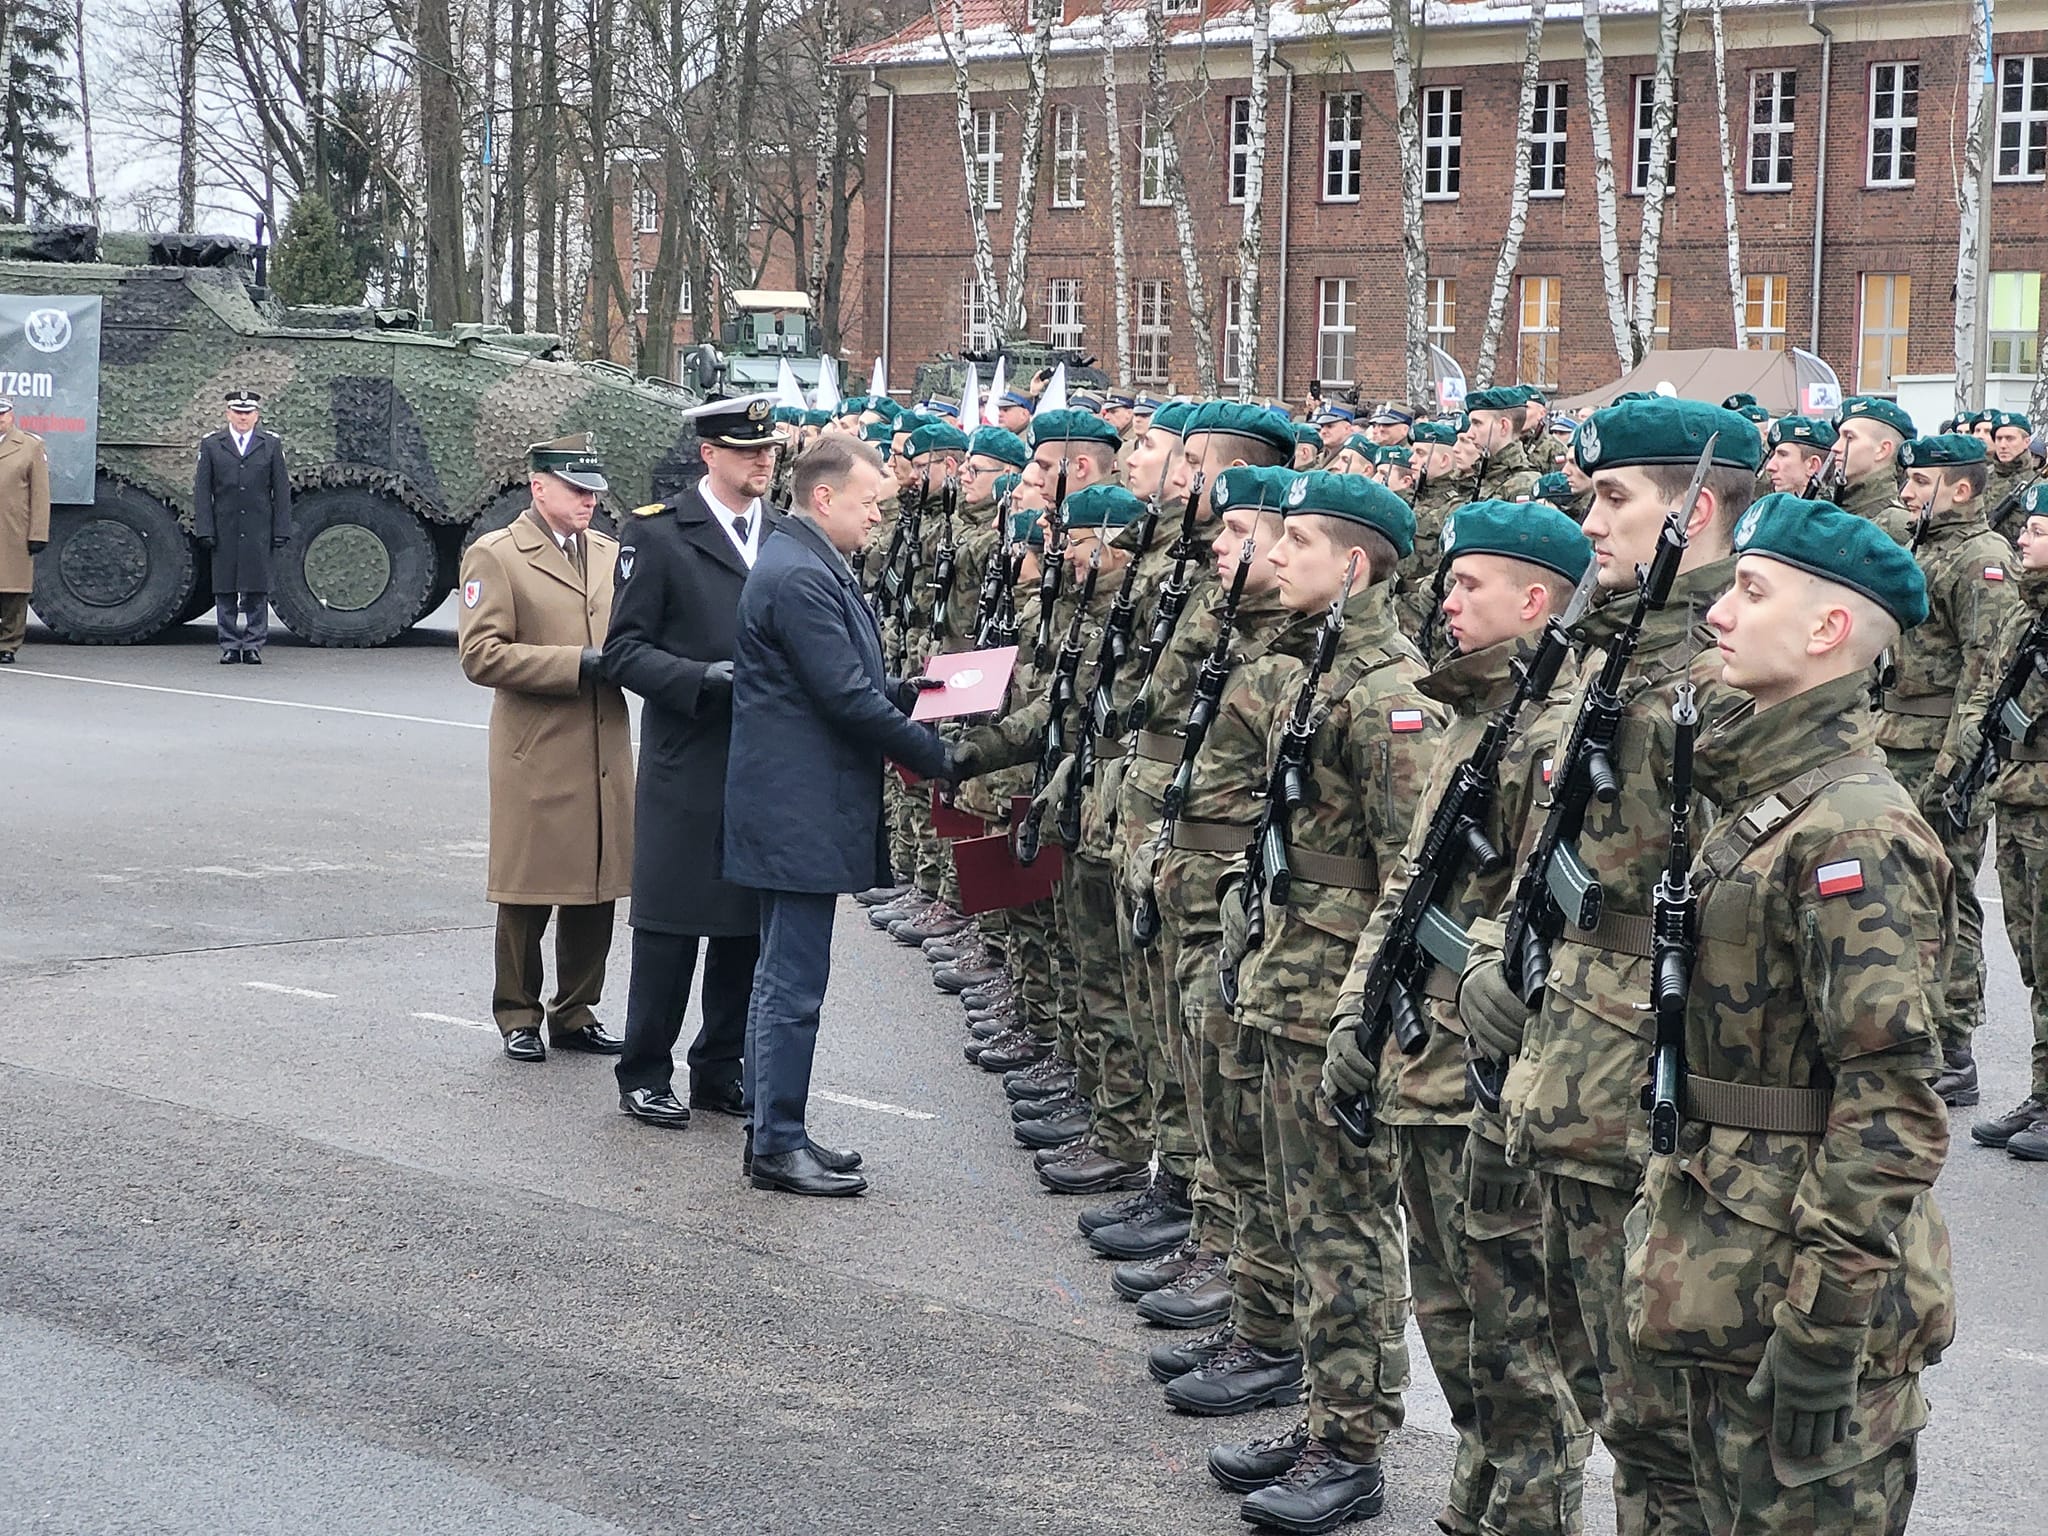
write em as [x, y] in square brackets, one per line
[659, 990]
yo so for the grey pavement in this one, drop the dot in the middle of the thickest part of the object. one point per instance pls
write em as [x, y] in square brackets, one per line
[288, 1245]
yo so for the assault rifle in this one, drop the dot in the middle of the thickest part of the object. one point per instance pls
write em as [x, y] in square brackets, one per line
[944, 561]
[1825, 484]
[1555, 885]
[1675, 937]
[902, 579]
[2003, 724]
[1055, 564]
[1115, 646]
[1173, 601]
[1060, 706]
[1421, 934]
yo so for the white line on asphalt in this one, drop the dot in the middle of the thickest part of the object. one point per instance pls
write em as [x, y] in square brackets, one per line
[449, 1018]
[271, 986]
[879, 1108]
[243, 698]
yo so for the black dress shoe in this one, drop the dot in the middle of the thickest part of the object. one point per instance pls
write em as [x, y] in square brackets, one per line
[725, 1098]
[524, 1045]
[1318, 1492]
[657, 1106]
[1251, 1465]
[800, 1173]
[591, 1040]
[830, 1157]
[230, 658]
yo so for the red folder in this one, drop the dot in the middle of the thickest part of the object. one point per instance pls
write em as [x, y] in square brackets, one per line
[974, 681]
[951, 821]
[991, 877]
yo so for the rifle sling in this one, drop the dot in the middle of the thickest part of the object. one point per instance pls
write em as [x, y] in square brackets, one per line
[1210, 836]
[1440, 984]
[1159, 746]
[1109, 748]
[2021, 752]
[1753, 1107]
[1926, 706]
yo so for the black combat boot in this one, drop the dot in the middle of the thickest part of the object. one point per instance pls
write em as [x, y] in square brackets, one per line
[1159, 1226]
[1200, 1298]
[1137, 1280]
[1320, 1492]
[1957, 1084]
[2000, 1132]
[1169, 1362]
[1049, 1131]
[1240, 1379]
[1252, 1464]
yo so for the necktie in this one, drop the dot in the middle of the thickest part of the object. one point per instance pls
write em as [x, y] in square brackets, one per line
[739, 529]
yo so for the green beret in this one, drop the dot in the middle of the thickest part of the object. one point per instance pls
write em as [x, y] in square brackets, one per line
[1502, 397]
[1356, 499]
[1306, 433]
[2034, 499]
[995, 443]
[1441, 433]
[788, 416]
[1024, 528]
[1961, 422]
[817, 418]
[852, 405]
[1635, 394]
[1173, 417]
[1535, 531]
[1531, 395]
[1941, 452]
[1736, 402]
[1871, 408]
[1240, 418]
[1101, 506]
[1395, 453]
[1005, 484]
[878, 432]
[1363, 446]
[1553, 488]
[884, 407]
[938, 437]
[1753, 413]
[1072, 426]
[1664, 430]
[1251, 485]
[1821, 539]
[1809, 430]
[2002, 419]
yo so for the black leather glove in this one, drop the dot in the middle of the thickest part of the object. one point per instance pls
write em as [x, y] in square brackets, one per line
[37, 546]
[905, 697]
[717, 681]
[206, 541]
[589, 664]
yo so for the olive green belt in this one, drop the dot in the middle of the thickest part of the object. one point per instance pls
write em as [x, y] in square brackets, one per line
[1330, 869]
[1159, 746]
[2021, 752]
[1928, 706]
[1441, 983]
[1109, 748]
[1752, 1107]
[1622, 932]
[1210, 836]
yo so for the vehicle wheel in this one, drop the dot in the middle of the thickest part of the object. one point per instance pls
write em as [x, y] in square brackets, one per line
[358, 571]
[117, 571]
[200, 598]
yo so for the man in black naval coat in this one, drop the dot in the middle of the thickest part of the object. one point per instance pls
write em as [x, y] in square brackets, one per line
[675, 603]
[241, 515]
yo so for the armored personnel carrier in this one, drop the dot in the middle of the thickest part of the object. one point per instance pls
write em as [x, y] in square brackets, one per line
[945, 377]
[403, 445]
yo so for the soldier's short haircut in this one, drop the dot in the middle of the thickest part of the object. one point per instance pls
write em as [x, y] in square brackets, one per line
[1976, 476]
[829, 462]
[1255, 451]
[1518, 414]
[1734, 488]
[1381, 561]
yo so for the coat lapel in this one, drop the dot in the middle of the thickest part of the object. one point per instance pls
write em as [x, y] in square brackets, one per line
[537, 544]
[863, 626]
[697, 526]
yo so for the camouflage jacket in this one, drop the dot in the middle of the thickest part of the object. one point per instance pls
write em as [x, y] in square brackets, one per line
[1375, 734]
[1099, 798]
[1428, 1088]
[1825, 902]
[1230, 769]
[2021, 784]
[2002, 491]
[1506, 475]
[1876, 496]
[1572, 1096]
[1415, 582]
[1942, 664]
[1545, 451]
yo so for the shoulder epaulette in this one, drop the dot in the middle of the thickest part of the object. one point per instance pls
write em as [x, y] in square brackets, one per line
[651, 508]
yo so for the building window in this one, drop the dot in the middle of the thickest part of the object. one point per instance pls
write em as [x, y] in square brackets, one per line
[1441, 309]
[1881, 351]
[1894, 123]
[1660, 319]
[1335, 329]
[641, 279]
[988, 160]
[1536, 359]
[1771, 93]
[1154, 332]
[1240, 109]
[1546, 140]
[1151, 164]
[1063, 313]
[1343, 146]
[2023, 118]
[1645, 136]
[1182, 7]
[646, 209]
[1763, 312]
[1067, 158]
[1443, 140]
[976, 335]
[2015, 322]
[1233, 330]
[686, 303]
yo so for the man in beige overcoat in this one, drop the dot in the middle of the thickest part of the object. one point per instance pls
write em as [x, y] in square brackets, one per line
[24, 525]
[536, 597]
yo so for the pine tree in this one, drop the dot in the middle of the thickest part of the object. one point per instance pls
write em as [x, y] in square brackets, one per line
[35, 46]
[312, 264]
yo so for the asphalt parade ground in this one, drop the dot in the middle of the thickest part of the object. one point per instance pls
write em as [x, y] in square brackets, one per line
[287, 1245]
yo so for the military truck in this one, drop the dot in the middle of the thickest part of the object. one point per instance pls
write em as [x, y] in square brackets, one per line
[770, 327]
[403, 445]
[946, 376]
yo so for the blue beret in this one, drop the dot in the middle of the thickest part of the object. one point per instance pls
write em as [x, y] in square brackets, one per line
[1872, 408]
[937, 438]
[1356, 499]
[1665, 430]
[1534, 531]
[1240, 418]
[1072, 426]
[1821, 539]
[1101, 506]
[1941, 452]
[995, 443]
[1553, 488]
[1251, 485]
[1172, 416]
[1810, 430]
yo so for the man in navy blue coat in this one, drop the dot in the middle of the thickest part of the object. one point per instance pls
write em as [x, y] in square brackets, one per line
[814, 714]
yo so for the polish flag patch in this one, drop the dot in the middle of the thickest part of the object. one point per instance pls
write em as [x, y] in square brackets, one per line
[1842, 879]
[1994, 573]
[1548, 764]
[1406, 719]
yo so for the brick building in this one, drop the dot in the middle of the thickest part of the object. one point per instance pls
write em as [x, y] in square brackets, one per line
[1862, 101]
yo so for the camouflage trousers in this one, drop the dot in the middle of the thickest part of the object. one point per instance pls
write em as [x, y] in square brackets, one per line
[1638, 1409]
[1031, 948]
[1741, 1494]
[1112, 1072]
[1338, 1206]
[1152, 1006]
[900, 809]
[1963, 976]
[1478, 1285]
[2022, 854]
[1202, 1042]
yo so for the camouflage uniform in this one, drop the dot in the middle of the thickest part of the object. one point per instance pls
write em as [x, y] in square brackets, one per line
[1571, 1097]
[909, 806]
[2002, 490]
[1477, 1276]
[1506, 475]
[1817, 998]
[1927, 728]
[1415, 581]
[1375, 735]
[952, 632]
[1876, 496]
[1544, 451]
[2021, 794]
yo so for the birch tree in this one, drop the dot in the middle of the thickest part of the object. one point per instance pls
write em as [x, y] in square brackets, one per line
[1030, 151]
[1977, 146]
[1177, 193]
[1414, 254]
[1607, 210]
[1736, 293]
[1657, 183]
[1518, 204]
[1119, 244]
[188, 113]
[1251, 238]
[955, 45]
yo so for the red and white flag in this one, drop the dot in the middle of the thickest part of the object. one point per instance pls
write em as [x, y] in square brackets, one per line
[1840, 879]
[1406, 719]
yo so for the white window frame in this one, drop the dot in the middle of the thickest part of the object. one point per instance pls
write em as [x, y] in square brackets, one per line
[1232, 360]
[1643, 134]
[1069, 159]
[1547, 138]
[643, 278]
[1151, 331]
[1440, 311]
[1889, 331]
[1181, 7]
[1660, 314]
[1336, 330]
[1900, 165]
[1760, 289]
[1443, 142]
[976, 334]
[1152, 189]
[2019, 342]
[646, 209]
[1343, 158]
[2022, 117]
[1773, 104]
[988, 158]
[685, 296]
[1063, 321]
[1237, 122]
[1550, 312]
